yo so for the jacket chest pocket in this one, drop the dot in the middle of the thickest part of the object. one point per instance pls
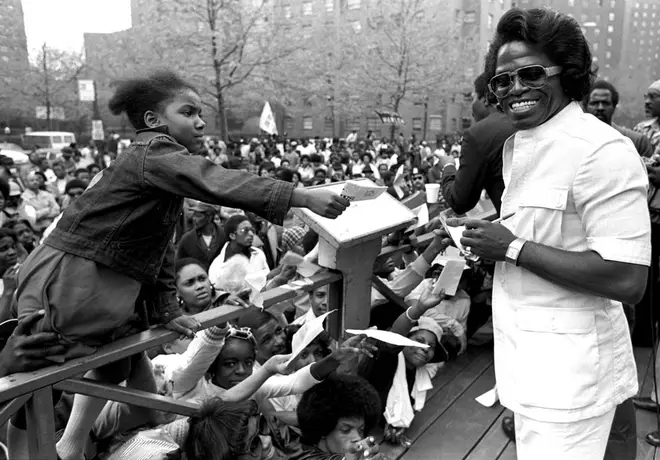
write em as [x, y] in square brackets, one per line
[541, 214]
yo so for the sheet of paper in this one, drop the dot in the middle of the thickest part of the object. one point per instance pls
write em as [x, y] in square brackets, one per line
[306, 334]
[448, 254]
[387, 337]
[489, 398]
[422, 214]
[305, 267]
[399, 178]
[360, 191]
[450, 277]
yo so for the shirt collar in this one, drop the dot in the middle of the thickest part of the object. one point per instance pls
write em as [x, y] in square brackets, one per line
[564, 116]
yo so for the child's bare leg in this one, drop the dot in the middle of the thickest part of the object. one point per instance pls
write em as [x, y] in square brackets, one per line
[85, 411]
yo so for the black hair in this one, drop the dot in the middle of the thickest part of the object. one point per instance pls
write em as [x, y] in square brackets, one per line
[6, 232]
[255, 318]
[319, 411]
[554, 34]
[179, 265]
[315, 158]
[309, 241]
[481, 85]
[284, 174]
[11, 225]
[80, 170]
[219, 429]
[602, 84]
[92, 166]
[136, 96]
[267, 165]
[231, 225]
[4, 189]
[74, 183]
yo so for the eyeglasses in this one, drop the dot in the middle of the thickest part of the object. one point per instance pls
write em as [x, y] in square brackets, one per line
[243, 333]
[532, 76]
[246, 230]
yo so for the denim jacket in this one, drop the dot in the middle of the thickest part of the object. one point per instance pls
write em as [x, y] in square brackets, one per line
[126, 218]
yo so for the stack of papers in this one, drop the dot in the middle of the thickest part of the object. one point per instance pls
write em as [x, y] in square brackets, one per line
[361, 191]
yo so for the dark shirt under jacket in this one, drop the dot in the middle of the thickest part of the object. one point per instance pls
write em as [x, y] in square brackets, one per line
[481, 165]
[193, 245]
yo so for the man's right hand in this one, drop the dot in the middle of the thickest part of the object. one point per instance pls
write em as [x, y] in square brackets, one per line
[24, 352]
[320, 201]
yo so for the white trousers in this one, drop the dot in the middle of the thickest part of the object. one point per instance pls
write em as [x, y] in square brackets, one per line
[582, 440]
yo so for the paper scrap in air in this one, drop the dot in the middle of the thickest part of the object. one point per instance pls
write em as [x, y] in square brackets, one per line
[361, 191]
[306, 334]
[304, 266]
[489, 398]
[388, 337]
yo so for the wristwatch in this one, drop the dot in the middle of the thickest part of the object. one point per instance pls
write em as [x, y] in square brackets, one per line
[513, 251]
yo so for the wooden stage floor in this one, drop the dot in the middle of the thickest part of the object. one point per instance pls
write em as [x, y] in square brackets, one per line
[453, 426]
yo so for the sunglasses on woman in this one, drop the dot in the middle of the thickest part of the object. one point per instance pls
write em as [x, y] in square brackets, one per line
[243, 333]
[531, 76]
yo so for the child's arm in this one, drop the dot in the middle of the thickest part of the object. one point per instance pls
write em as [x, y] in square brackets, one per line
[169, 167]
[244, 390]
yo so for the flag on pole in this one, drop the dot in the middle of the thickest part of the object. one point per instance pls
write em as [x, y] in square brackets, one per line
[267, 120]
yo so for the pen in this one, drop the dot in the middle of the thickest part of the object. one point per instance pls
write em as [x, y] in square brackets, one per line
[500, 219]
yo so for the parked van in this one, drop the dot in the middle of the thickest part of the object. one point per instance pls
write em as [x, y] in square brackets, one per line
[48, 141]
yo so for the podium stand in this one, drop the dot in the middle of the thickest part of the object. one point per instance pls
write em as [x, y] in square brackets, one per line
[351, 244]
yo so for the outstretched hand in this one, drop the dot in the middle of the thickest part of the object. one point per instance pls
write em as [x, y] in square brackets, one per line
[428, 299]
[324, 202]
[184, 325]
[26, 352]
[277, 364]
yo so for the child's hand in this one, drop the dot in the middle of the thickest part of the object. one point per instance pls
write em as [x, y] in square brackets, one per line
[322, 202]
[277, 364]
[184, 325]
[428, 299]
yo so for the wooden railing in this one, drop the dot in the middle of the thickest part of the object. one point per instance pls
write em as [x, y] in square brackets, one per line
[34, 390]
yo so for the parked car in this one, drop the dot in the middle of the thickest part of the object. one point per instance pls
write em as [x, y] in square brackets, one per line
[48, 141]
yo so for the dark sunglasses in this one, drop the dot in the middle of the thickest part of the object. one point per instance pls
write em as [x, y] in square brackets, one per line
[531, 76]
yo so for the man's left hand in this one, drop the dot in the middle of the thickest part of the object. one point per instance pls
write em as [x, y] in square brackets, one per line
[487, 239]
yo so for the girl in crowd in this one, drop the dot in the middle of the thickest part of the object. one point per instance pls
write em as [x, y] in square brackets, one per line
[408, 370]
[194, 290]
[306, 170]
[8, 271]
[111, 246]
[25, 234]
[338, 431]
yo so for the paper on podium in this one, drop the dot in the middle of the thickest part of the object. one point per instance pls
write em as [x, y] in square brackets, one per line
[388, 337]
[489, 398]
[360, 191]
[422, 213]
[450, 277]
[306, 334]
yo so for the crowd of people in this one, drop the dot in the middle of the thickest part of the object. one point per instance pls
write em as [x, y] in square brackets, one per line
[180, 223]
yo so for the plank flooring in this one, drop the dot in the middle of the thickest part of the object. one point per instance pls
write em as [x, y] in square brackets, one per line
[453, 426]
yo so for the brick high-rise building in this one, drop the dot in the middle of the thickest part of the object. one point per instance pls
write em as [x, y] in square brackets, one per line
[13, 46]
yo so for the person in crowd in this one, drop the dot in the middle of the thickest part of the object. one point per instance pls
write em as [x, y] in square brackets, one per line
[651, 126]
[9, 265]
[43, 206]
[481, 157]
[85, 255]
[61, 178]
[306, 170]
[406, 370]
[93, 169]
[194, 290]
[266, 169]
[318, 299]
[320, 177]
[296, 180]
[292, 156]
[74, 188]
[331, 431]
[418, 180]
[566, 254]
[5, 217]
[25, 234]
[205, 241]
[82, 174]
[67, 159]
[601, 103]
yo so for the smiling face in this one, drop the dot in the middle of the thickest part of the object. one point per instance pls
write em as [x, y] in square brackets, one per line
[271, 340]
[600, 105]
[194, 288]
[419, 357]
[234, 363]
[183, 117]
[528, 108]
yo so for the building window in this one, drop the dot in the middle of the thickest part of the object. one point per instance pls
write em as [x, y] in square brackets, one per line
[287, 12]
[435, 122]
[608, 55]
[357, 26]
[329, 5]
[373, 123]
[417, 124]
[307, 9]
[470, 17]
[571, 3]
[288, 124]
[611, 16]
[609, 42]
[597, 31]
[612, 4]
[490, 22]
[328, 124]
[353, 4]
[466, 123]
[610, 29]
[308, 123]
[595, 46]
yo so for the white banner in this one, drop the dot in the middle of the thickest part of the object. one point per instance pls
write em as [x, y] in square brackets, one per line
[86, 90]
[97, 130]
[267, 120]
